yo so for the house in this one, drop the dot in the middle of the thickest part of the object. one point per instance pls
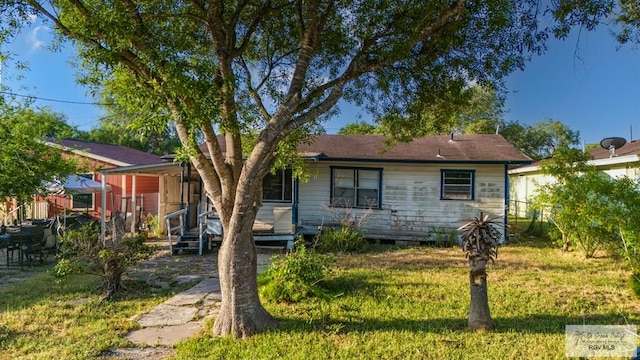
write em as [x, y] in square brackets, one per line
[525, 180]
[94, 157]
[399, 193]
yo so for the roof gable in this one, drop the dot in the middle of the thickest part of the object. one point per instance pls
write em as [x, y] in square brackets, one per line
[630, 148]
[109, 153]
[444, 148]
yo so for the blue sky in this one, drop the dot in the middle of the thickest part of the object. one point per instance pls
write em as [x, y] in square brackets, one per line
[588, 82]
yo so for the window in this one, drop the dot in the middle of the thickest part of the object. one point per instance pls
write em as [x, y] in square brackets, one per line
[354, 187]
[457, 184]
[278, 186]
[82, 201]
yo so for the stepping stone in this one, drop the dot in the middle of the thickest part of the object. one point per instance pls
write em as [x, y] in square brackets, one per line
[195, 294]
[165, 336]
[166, 315]
[183, 279]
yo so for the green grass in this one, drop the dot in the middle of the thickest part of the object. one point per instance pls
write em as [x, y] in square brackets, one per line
[413, 303]
[41, 318]
[406, 303]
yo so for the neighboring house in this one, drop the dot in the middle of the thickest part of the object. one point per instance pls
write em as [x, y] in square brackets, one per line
[95, 157]
[526, 180]
[398, 193]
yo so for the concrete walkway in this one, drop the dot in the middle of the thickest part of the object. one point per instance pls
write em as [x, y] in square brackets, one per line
[177, 319]
[180, 317]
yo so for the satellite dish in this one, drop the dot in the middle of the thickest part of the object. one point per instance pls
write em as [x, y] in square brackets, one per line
[612, 143]
[616, 142]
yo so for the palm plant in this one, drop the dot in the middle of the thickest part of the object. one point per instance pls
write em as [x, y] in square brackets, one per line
[480, 239]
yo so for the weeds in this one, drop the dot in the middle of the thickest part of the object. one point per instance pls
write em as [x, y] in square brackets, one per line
[296, 276]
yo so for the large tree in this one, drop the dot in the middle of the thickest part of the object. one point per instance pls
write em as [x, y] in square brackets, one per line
[628, 19]
[120, 128]
[540, 140]
[26, 161]
[275, 69]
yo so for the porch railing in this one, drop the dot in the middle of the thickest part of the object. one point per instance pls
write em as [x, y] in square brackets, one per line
[171, 229]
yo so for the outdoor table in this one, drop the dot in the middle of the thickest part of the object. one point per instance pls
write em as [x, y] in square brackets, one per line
[27, 240]
[4, 240]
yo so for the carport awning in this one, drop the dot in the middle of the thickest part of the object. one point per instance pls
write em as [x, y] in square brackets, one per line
[157, 169]
[173, 168]
[74, 184]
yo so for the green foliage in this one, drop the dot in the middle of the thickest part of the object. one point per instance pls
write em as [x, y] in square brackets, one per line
[634, 284]
[628, 17]
[153, 224]
[583, 210]
[540, 140]
[82, 251]
[26, 161]
[478, 110]
[626, 223]
[591, 210]
[296, 276]
[586, 206]
[340, 240]
[442, 236]
[360, 128]
[121, 128]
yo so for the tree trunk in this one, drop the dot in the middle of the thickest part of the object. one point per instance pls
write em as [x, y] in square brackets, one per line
[479, 313]
[241, 313]
[565, 242]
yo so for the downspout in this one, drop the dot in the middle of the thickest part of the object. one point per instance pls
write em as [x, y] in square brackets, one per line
[133, 204]
[103, 199]
[294, 213]
[506, 201]
[181, 185]
[188, 215]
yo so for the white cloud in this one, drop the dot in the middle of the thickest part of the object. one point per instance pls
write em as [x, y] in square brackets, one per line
[33, 39]
[32, 18]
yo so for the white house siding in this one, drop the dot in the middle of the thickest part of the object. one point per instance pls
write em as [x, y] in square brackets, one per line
[411, 204]
[524, 183]
[628, 170]
[522, 190]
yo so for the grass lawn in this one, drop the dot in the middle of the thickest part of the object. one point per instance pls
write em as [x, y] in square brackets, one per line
[393, 304]
[412, 304]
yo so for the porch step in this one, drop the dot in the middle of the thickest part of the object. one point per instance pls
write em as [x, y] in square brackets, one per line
[187, 243]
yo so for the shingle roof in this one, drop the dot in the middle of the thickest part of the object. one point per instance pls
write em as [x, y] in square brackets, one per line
[630, 148]
[459, 148]
[117, 153]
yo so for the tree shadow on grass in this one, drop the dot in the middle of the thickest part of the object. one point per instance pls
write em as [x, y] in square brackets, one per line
[74, 290]
[535, 323]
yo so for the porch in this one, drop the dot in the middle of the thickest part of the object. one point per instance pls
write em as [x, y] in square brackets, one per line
[279, 235]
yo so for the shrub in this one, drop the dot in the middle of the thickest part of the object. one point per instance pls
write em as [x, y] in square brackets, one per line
[634, 284]
[296, 276]
[442, 236]
[345, 239]
[82, 251]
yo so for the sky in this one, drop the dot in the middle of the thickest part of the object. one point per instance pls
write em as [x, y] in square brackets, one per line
[588, 82]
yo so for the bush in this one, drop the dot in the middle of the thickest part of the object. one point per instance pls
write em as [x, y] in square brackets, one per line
[296, 276]
[345, 239]
[634, 284]
[442, 236]
[82, 251]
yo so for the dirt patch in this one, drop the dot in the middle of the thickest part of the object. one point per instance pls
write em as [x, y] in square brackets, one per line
[411, 258]
[140, 353]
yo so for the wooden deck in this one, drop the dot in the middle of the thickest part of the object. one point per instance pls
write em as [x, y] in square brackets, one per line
[199, 240]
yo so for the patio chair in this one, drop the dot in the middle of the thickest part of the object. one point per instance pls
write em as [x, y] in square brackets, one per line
[27, 240]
